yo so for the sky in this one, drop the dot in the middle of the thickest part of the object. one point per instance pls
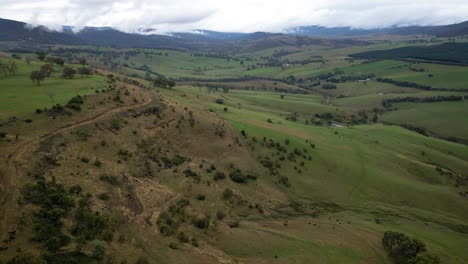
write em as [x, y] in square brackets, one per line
[165, 16]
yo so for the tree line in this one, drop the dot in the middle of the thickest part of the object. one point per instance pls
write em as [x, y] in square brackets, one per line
[431, 99]
[418, 86]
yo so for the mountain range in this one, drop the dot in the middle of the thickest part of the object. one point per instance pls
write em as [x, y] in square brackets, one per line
[21, 32]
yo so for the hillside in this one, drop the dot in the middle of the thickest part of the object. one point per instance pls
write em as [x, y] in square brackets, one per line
[447, 52]
[274, 148]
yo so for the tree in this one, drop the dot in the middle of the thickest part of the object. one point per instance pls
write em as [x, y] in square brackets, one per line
[27, 60]
[68, 73]
[163, 82]
[84, 71]
[82, 61]
[59, 61]
[37, 77]
[8, 68]
[171, 83]
[98, 248]
[401, 248]
[41, 55]
[47, 69]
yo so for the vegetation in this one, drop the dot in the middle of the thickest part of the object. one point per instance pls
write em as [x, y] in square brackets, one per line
[282, 139]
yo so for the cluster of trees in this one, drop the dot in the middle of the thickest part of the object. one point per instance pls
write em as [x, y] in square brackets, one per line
[405, 250]
[418, 86]
[431, 99]
[47, 69]
[163, 82]
[8, 68]
[328, 86]
[56, 60]
[56, 203]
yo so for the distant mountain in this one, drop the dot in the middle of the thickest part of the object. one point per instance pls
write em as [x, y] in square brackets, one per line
[438, 31]
[28, 37]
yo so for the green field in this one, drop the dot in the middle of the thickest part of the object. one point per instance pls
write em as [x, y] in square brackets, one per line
[372, 170]
[448, 119]
[20, 96]
[329, 170]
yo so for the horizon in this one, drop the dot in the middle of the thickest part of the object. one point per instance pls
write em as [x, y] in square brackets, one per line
[224, 16]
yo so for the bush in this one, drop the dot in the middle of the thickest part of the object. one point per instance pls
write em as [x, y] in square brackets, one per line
[183, 238]
[98, 249]
[111, 179]
[203, 222]
[220, 215]
[219, 175]
[173, 245]
[401, 248]
[89, 225]
[103, 196]
[227, 194]
[201, 197]
[97, 163]
[170, 220]
[236, 176]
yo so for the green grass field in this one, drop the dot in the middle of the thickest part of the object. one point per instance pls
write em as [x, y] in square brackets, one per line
[448, 119]
[371, 171]
[20, 96]
[350, 182]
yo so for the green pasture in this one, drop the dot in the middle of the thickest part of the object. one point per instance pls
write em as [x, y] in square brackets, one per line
[20, 96]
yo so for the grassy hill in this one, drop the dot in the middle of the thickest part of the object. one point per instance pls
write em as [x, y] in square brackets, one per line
[250, 158]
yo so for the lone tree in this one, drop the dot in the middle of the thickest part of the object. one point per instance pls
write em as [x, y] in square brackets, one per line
[37, 77]
[68, 73]
[401, 248]
[8, 68]
[47, 69]
[164, 82]
[84, 71]
[41, 55]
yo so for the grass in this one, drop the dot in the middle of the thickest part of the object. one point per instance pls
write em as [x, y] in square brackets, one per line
[361, 168]
[443, 76]
[356, 174]
[20, 96]
[443, 118]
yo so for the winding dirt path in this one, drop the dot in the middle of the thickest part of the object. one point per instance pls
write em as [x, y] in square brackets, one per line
[10, 183]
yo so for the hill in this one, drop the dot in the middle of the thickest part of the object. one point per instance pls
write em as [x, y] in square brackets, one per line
[447, 52]
[452, 30]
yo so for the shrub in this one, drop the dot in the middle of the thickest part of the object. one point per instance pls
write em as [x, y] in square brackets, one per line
[202, 222]
[173, 245]
[98, 249]
[183, 238]
[103, 196]
[236, 176]
[111, 179]
[89, 225]
[220, 215]
[170, 220]
[227, 194]
[401, 248]
[201, 197]
[219, 175]
[97, 163]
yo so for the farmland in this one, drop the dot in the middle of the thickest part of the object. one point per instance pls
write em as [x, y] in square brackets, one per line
[284, 154]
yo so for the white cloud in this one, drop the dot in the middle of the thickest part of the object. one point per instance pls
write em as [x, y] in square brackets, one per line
[238, 15]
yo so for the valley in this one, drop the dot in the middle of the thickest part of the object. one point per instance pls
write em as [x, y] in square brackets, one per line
[269, 150]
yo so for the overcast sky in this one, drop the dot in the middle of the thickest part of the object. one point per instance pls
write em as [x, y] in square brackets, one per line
[238, 15]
